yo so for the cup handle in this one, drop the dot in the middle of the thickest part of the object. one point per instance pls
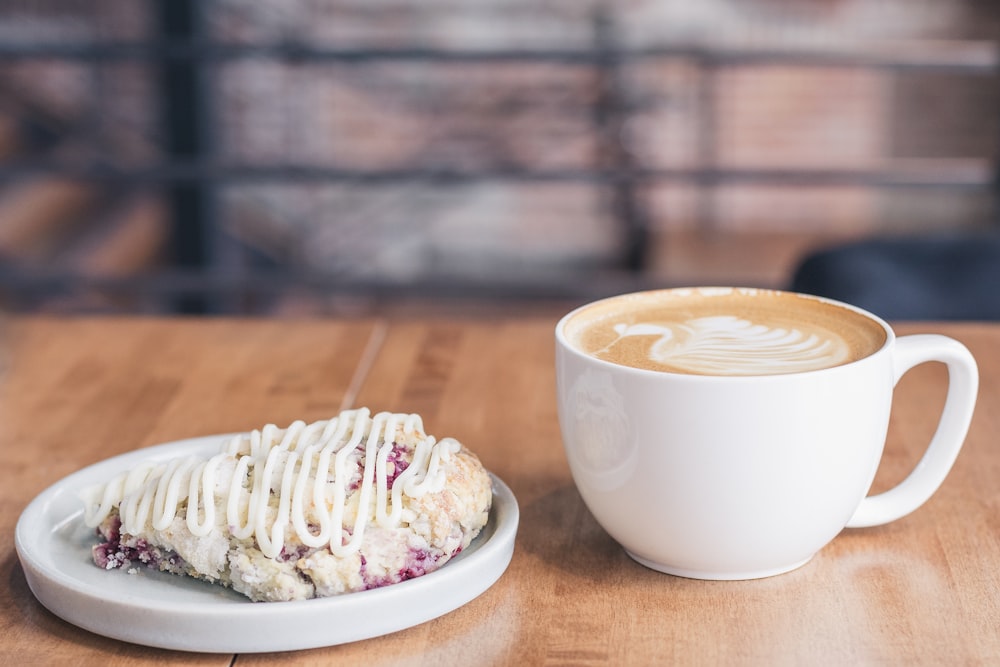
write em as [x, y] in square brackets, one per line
[930, 472]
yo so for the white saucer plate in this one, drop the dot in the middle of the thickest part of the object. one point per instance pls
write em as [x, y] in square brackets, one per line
[173, 612]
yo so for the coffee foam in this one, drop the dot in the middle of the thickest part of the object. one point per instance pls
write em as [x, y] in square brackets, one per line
[723, 331]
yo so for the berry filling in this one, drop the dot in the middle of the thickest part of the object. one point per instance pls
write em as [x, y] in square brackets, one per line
[115, 553]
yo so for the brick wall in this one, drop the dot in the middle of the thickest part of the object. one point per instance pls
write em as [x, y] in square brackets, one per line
[768, 104]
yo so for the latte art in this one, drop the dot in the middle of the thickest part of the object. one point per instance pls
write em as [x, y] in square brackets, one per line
[735, 332]
[730, 345]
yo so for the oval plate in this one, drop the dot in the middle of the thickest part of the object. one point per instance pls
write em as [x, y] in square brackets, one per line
[176, 612]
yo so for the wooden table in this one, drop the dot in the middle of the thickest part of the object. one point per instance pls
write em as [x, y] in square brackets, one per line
[923, 590]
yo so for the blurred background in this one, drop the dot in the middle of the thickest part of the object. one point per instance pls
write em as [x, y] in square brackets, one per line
[354, 157]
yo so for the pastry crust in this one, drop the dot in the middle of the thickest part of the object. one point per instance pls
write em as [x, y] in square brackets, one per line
[342, 505]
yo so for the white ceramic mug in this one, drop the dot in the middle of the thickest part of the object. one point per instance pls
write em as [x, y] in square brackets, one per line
[736, 477]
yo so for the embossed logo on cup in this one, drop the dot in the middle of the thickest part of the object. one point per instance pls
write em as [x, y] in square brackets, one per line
[601, 426]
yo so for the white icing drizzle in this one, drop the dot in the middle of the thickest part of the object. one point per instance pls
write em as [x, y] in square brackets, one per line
[309, 468]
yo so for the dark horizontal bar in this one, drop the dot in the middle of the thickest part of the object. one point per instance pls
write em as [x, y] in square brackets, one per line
[26, 284]
[963, 57]
[291, 51]
[225, 174]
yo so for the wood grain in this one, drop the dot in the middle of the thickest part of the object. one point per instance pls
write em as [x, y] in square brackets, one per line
[79, 391]
[922, 590]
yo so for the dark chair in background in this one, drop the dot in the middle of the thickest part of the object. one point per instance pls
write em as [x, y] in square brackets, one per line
[940, 277]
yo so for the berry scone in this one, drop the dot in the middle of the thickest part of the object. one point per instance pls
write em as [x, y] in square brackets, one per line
[337, 506]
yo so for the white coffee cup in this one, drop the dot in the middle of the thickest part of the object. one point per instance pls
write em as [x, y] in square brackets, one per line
[739, 476]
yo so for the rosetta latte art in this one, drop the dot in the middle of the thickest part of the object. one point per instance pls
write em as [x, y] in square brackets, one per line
[730, 345]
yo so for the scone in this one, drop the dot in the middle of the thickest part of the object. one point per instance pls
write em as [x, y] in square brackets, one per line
[340, 505]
